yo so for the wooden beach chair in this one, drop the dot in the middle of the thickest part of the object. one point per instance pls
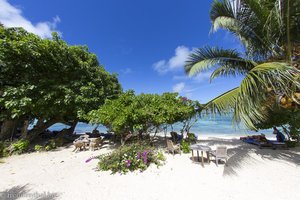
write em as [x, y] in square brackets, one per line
[173, 148]
[219, 153]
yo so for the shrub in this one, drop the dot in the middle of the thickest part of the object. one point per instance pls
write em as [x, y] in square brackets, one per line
[185, 146]
[21, 146]
[191, 138]
[38, 147]
[48, 148]
[291, 144]
[130, 158]
[59, 142]
[160, 156]
[4, 149]
[54, 143]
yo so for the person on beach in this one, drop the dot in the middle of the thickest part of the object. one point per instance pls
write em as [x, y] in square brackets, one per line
[279, 136]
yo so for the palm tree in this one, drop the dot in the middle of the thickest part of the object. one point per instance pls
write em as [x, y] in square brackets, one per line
[269, 32]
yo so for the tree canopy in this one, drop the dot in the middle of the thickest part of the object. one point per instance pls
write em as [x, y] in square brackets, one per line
[141, 113]
[49, 80]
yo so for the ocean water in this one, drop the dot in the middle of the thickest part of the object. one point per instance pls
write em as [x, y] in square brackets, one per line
[218, 125]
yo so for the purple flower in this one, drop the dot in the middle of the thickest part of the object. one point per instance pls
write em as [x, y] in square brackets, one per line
[184, 99]
[91, 158]
[138, 156]
[145, 155]
[128, 163]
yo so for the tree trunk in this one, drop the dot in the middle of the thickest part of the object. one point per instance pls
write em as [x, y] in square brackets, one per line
[96, 127]
[73, 126]
[165, 132]
[40, 126]
[7, 129]
[71, 129]
[24, 130]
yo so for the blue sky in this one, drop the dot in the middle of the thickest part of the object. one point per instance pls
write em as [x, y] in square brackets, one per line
[145, 42]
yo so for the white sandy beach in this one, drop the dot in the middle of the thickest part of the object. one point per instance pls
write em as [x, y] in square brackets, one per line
[251, 173]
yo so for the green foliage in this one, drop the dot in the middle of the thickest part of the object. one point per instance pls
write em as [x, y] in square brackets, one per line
[160, 157]
[268, 31]
[288, 118]
[4, 149]
[21, 146]
[58, 142]
[54, 143]
[48, 147]
[50, 80]
[191, 138]
[130, 158]
[144, 112]
[38, 147]
[185, 146]
[291, 144]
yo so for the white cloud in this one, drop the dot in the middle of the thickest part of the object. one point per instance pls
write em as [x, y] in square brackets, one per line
[175, 63]
[126, 70]
[11, 16]
[201, 77]
[161, 67]
[179, 87]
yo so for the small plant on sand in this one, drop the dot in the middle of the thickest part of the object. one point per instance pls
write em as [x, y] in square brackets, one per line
[48, 148]
[38, 147]
[21, 146]
[191, 138]
[130, 158]
[4, 149]
[54, 143]
[185, 147]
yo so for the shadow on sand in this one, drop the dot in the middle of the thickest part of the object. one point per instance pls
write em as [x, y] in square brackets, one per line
[18, 192]
[240, 154]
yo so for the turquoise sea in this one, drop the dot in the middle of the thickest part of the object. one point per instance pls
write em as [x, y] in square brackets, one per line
[218, 125]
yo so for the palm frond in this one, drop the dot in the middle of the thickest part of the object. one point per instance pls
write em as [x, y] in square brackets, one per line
[281, 78]
[229, 60]
[224, 103]
[245, 22]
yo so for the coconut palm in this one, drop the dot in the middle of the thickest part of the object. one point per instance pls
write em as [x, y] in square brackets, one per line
[269, 32]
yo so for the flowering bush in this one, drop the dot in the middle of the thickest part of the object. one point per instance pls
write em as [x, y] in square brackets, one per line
[130, 158]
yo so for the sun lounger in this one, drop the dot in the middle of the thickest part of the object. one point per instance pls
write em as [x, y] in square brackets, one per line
[256, 140]
[260, 144]
[276, 144]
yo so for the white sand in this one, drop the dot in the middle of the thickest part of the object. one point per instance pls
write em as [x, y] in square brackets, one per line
[250, 173]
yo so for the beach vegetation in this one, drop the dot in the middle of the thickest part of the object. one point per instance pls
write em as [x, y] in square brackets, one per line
[49, 147]
[130, 157]
[47, 81]
[20, 146]
[288, 119]
[191, 138]
[4, 151]
[268, 31]
[186, 142]
[142, 114]
[185, 146]
[54, 143]
[38, 147]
